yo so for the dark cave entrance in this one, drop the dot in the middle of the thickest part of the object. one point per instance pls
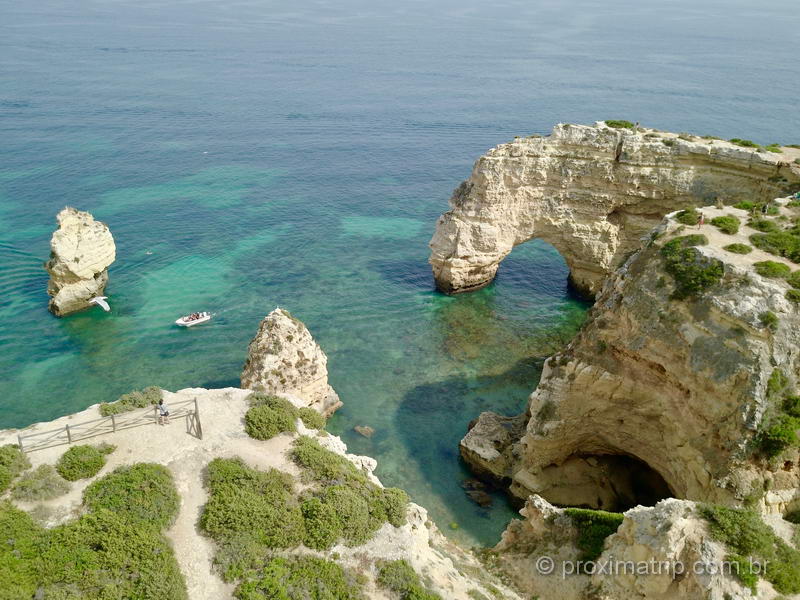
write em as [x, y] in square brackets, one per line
[612, 482]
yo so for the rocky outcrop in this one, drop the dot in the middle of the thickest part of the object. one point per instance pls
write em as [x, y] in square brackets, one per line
[591, 192]
[662, 552]
[284, 359]
[672, 391]
[81, 250]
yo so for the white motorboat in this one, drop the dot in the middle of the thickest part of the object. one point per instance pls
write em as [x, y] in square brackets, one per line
[194, 319]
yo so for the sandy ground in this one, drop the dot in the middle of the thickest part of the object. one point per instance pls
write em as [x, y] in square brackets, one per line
[222, 414]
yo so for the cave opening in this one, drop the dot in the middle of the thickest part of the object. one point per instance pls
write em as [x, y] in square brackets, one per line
[612, 482]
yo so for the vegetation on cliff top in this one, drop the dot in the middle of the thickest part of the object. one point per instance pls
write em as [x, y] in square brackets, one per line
[82, 462]
[693, 273]
[726, 224]
[43, 483]
[398, 576]
[270, 415]
[619, 124]
[103, 554]
[594, 526]
[749, 539]
[12, 462]
[286, 578]
[149, 396]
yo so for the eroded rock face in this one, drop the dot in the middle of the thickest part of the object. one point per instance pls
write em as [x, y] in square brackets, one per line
[669, 544]
[81, 250]
[679, 385]
[284, 359]
[592, 192]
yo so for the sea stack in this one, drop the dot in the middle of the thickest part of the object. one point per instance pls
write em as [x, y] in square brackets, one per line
[81, 250]
[283, 358]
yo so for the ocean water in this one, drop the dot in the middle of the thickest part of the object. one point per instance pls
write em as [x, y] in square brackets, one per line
[248, 154]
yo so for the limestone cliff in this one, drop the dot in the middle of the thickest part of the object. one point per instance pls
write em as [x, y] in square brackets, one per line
[592, 192]
[659, 396]
[81, 250]
[283, 358]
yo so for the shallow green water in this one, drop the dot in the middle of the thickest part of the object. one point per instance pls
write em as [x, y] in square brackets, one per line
[248, 155]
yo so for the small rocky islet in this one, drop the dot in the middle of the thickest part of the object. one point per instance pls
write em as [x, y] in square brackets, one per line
[664, 432]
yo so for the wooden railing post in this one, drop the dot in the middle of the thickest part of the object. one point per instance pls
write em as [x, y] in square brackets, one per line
[19, 440]
[113, 423]
[69, 435]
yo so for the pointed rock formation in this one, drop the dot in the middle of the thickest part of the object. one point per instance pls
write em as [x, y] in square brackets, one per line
[81, 251]
[283, 358]
[592, 192]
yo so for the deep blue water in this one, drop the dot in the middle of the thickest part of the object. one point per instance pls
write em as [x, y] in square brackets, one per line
[270, 153]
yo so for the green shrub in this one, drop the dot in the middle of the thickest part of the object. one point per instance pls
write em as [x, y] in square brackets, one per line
[80, 462]
[99, 555]
[769, 320]
[323, 525]
[690, 216]
[781, 243]
[738, 248]
[668, 143]
[693, 273]
[311, 418]
[400, 577]
[395, 503]
[791, 406]
[744, 205]
[619, 124]
[14, 459]
[776, 385]
[794, 279]
[594, 526]
[749, 538]
[323, 465]
[780, 435]
[149, 396]
[764, 225]
[43, 483]
[300, 577]
[773, 148]
[726, 224]
[793, 296]
[772, 269]
[5, 478]
[265, 421]
[744, 143]
[143, 493]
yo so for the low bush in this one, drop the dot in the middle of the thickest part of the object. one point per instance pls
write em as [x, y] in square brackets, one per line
[769, 320]
[82, 462]
[142, 493]
[311, 418]
[738, 248]
[772, 269]
[780, 435]
[744, 205]
[764, 225]
[266, 420]
[300, 577]
[43, 483]
[12, 462]
[619, 124]
[668, 143]
[400, 577]
[98, 556]
[748, 538]
[744, 143]
[783, 243]
[773, 148]
[693, 273]
[149, 396]
[594, 526]
[726, 224]
[690, 216]
[793, 296]
[791, 406]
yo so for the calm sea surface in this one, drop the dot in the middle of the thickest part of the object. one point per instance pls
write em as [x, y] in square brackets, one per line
[248, 154]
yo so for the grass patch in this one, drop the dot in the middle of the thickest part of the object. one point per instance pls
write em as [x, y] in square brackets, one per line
[101, 555]
[782, 243]
[82, 462]
[744, 205]
[794, 279]
[149, 396]
[594, 526]
[726, 224]
[300, 577]
[744, 143]
[693, 273]
[738, 248]
[139, 494]
[690, 216]
[769, 320]
[43, 483]
[793, 296]
[311, 418]
[749, 538]
[764, 225]
[399, 577]
[772, 269]
[12, 462]
[268, 416]
[619, 124]
[773, 148]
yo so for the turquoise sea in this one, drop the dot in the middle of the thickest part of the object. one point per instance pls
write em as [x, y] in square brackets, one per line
[254, 153]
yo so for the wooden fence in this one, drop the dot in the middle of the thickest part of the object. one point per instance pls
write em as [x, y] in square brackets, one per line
[73, 432]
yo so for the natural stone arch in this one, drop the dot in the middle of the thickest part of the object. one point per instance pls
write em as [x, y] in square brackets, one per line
[591, 192]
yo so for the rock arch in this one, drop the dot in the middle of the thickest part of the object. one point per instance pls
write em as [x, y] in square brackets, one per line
[592, 192]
